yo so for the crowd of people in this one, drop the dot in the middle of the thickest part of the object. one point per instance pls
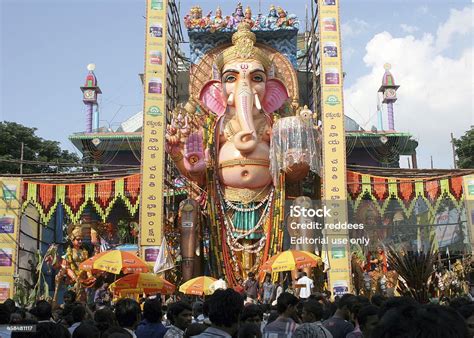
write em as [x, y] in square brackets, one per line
[255, 310]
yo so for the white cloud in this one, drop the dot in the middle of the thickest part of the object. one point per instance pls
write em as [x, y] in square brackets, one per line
[353, 27]
[459, 22]
[434, 98]
[408, 29]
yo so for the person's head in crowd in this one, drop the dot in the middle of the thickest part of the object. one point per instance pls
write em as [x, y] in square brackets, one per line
[180, 315]
[4, 314]
[344, 306]
[225, 308]
[252, 313]
[368, 318]
[378, 300]
[312, 311]
[18, 316]
[127, 313]
[152, 310]
[286, 304]
[42, 310]
[69, 297]
[250, 330]
[467, 312]
[272, 316]
[330, 309]
[356, 304]
[395, 302]
[299, 309]
[197, 309]
[251, 275]
[396, 320]
[457, 302]
[319, 297]
[267, 278]
[104, 319]
[195, 329]
[427, 321]
[221, 276]
[50, 330]
[78, 313]
[10, 303]
[116, 332]
[86, 330]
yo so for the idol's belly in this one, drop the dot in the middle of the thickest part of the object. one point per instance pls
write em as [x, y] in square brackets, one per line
[251, 171]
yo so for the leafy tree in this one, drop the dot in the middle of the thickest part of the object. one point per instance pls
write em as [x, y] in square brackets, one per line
[34, 149]
[465, 150]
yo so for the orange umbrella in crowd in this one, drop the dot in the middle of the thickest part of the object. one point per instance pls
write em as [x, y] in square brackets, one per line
[115, 261]
[198, 286]
[290, 260]
[148, 283]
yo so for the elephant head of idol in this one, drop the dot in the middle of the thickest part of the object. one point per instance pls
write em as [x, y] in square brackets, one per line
[244, 88]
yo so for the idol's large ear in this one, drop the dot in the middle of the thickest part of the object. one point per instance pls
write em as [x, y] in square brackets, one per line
[275, 95]
[212, 98]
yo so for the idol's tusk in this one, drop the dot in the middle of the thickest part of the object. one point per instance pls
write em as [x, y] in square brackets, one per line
[257, 102]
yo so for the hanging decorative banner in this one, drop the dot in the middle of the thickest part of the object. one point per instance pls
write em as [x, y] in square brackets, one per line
[102, 195]
[154, 123]
[334, 142]
[405, 192]
[9, 227]
[469, 192]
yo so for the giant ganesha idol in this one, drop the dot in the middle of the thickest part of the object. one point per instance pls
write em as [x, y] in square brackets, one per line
[236, 150]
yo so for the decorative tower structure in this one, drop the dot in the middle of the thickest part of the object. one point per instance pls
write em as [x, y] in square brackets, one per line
[90, 91]
[389, 91]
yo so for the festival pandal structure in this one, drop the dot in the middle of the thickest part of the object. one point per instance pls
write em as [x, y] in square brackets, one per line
[241, 152]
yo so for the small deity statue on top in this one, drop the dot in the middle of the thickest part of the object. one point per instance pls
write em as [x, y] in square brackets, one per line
[272, 18]
[259, 21]
[248, 17]
[194, 19]
[218, 22]
[282, 18]
[237, 17]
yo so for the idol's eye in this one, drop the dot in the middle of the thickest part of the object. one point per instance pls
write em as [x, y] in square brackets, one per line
[257, 78]
[230, 78]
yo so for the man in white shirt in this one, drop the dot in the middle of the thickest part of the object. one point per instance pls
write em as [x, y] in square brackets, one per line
[305, 291]
[218, 284]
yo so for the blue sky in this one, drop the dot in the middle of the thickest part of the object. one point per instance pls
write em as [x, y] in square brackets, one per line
[46, 46]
